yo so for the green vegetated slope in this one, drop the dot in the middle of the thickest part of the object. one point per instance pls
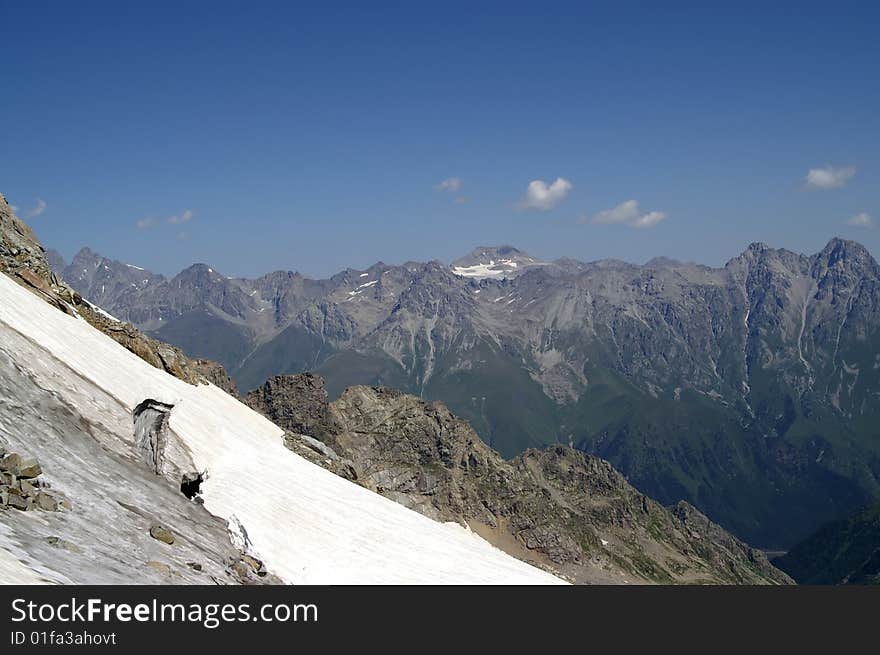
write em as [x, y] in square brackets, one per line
[846, 551]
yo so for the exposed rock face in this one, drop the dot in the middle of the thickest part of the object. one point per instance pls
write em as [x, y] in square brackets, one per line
[297, 403]
[150, 433]
[559, 508]
[724, 546]
[215, 374]
[24, 260]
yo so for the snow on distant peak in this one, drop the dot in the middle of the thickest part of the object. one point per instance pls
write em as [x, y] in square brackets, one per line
[361, 288]
[495, 262]
[501, 268]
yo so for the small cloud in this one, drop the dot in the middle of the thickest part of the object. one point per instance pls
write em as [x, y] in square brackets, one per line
[182, 236]
[829, 177]
[623, 213]
[542, 196]
[627, 213]
[648, 220]
[460, 200]
[38, 209]
[179, 219]
[861, 220]
[451, 184]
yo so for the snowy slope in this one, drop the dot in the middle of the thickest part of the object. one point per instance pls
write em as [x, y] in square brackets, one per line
[308, 525]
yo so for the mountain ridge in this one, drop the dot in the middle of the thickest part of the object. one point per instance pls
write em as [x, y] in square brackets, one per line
[768, 362]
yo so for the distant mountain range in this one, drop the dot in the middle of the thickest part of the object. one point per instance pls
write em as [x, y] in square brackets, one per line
[751, 390]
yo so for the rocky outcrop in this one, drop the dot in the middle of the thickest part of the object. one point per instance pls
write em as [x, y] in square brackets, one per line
[558, 508]
[297, 403]
[321, 454]
[717, 545]
[150, 419]
[215, 374]
[19, 248]
[22, 488]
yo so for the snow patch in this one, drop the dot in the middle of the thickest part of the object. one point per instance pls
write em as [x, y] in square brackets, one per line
[361, 288]
[100, 311]
[492, 269]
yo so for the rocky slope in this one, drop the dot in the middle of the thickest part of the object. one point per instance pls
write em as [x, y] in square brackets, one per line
[750, 390]
[846, 551]
[558, 508]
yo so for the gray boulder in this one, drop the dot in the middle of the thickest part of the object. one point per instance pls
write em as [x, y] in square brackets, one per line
[163, 534]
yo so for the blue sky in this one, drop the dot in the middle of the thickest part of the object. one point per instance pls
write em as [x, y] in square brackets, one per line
[257, 136]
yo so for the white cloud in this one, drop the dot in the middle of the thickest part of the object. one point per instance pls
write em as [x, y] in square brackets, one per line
[624, 213]
[451, 184]
[38, 209]
[861, 220]
[542, 196]
[829, 177]
[182, 236]
[648, 220]
[628, 213]
[185, 217]
[178, 219]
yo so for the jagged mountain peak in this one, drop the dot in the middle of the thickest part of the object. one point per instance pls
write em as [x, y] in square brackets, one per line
[85, 252]
[838, 249]
[198, 270]
[87, 258]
